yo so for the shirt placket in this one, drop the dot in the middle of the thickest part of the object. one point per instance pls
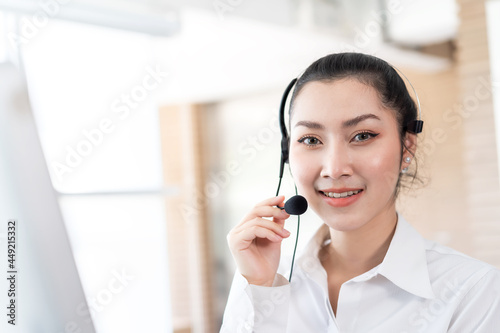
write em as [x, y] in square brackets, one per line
[333, 326]
[349, 301]
[318, 276]
[347, 305]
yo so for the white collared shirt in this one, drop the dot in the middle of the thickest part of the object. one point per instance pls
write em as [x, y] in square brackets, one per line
[420, 286]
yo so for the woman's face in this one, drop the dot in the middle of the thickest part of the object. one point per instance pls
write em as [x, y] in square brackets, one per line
[345, 144]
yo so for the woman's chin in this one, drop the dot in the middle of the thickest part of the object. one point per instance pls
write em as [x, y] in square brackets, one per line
[343, 226]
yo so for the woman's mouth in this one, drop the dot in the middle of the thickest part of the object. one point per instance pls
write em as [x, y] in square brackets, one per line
[341, 198]
[340, 194]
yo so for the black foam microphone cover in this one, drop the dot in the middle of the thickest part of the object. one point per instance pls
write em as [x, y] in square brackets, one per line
[296, 205]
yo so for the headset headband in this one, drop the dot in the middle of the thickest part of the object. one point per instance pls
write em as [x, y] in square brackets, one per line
[285, 140]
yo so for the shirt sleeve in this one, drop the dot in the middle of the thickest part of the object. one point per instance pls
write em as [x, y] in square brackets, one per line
[479, 310]
[257, 309]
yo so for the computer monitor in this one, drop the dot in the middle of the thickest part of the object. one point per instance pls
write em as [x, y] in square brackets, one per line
[40, 289]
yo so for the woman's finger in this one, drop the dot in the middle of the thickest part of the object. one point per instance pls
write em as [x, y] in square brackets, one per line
[267, 211]
[247, 236]
[264, 223]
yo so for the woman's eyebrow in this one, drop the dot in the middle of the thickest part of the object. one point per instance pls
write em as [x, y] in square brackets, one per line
[346, 124]
[354, 121]
[309, 124]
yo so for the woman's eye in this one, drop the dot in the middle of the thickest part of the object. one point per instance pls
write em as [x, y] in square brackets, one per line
[309, 141]
[364, 136]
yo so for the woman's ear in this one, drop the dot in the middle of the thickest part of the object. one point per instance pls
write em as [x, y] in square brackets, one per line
[410, 144]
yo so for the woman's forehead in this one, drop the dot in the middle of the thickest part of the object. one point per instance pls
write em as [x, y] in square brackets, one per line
[336, 101]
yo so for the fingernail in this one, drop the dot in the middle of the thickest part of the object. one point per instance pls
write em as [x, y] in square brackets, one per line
[286, 232]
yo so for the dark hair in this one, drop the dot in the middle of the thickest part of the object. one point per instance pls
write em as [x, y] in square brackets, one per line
[376, 73]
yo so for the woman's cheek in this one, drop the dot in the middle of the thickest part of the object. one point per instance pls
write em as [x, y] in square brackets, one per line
[382, 167]
[303, 171]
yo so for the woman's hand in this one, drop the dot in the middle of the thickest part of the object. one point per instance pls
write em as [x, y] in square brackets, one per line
[255, 243]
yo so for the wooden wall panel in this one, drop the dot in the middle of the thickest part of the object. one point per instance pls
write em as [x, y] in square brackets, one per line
[188, 236]
[480, 157]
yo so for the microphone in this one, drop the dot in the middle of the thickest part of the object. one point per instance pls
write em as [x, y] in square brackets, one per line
[296, 205]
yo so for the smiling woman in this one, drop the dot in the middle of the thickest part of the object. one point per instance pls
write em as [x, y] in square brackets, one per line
[352, 140]
[357, 143]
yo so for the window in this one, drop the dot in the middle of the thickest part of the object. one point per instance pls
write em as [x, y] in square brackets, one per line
[93, 92]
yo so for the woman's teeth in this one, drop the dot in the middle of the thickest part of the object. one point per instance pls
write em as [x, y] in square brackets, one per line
[340, 195]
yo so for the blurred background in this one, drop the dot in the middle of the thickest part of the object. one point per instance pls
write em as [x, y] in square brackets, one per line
[157, 127]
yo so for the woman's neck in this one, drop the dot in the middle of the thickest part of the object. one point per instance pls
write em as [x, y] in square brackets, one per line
[356, 252]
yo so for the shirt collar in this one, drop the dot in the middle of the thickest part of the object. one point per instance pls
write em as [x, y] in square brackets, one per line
[405, 263]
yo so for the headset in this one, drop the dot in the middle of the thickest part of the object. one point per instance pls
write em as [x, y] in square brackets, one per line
[415, 126]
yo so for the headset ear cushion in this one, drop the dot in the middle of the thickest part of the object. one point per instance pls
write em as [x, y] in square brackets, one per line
[285, 148]
[415, 126]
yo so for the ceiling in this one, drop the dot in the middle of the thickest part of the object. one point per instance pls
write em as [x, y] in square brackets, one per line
[229, 47]
[411, 23]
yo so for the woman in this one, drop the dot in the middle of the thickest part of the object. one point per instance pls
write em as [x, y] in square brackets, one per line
[366, 269]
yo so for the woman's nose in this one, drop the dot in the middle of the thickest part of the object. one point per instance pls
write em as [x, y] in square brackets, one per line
[337, 163]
